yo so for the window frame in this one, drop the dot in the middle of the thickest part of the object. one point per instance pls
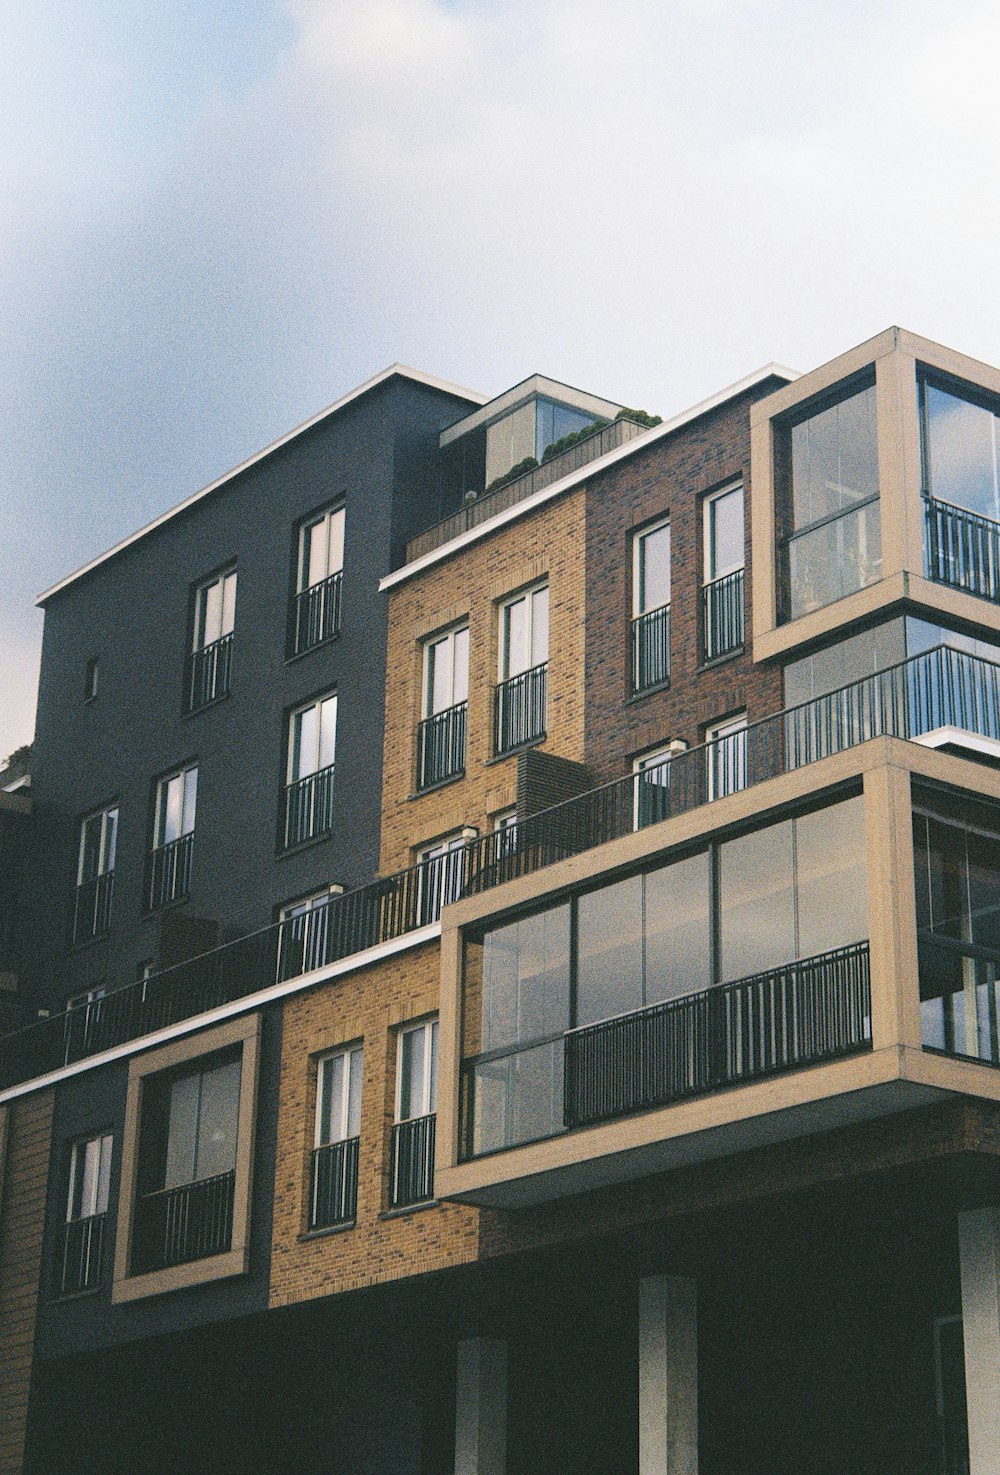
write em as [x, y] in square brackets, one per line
[640, 606]
[528, 595]
[101, 1179]
[105, 867]
[447, 638]
[314, 520]
[199, 608]
[353, 1055]
[91, 679]
[430, 1027]
[293, 755]
[715, 733]
[710, 573]
[161, 804]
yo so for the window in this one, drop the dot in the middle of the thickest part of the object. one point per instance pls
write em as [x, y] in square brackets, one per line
[308, 936]
[312, 742]
[651, 607]
[173, 837]
[722, 594]
[187, 1150]
[961, 444]
[520, 705]
[412, 1154]
[338, 1126]
[443, 874]
[81, 1239]
[830, 495]
[726, 756]
[211, 662]
[84, 1019]
[652, 786]
[553, 421]
[441, 736]
[316, 607]
[90, 679]
[95, 875]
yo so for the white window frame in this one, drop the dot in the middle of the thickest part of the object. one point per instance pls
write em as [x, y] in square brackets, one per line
[108, 818]
[314, 928]
[639, 604]
[455, 694]
[651, 759]
[295, 769]
[92, 1178]
[711, 572]
[440, 850]
[325, 520]
[353, 1057]
[223, 617]
[188, 805]
[726, 762]
[504, 673]
[428, 1085]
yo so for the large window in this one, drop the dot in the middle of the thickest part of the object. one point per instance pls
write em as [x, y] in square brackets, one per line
[312, 743]
[81, 1240]
[651, 606]
[442, 734]
[722, 594]
[334, 1191]
[411, 1171]
[320, 555]
[95, 875]
[747, 956]
[830, 512]
[961, 453]
[173, 837]
[211, 662]
[520, 706]
[553, 421]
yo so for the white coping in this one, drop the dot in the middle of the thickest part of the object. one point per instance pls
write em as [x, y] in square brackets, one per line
[959, 737]
[417, 375]
[520, 394]
[600, 463]
[245, 1005]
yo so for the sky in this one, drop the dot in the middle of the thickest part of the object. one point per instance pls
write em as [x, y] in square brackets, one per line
[218, 216]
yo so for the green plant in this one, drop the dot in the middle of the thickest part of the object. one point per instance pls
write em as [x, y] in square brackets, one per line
[641, 417]
[528, 464]
[564, 442]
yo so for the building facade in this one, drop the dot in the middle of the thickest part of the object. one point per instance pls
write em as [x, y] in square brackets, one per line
[591, 1062]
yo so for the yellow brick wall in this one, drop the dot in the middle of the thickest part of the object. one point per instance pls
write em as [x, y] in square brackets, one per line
[367, 1006]
[471, 586]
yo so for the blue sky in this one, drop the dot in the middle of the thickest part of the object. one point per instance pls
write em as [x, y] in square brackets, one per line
[216, 216]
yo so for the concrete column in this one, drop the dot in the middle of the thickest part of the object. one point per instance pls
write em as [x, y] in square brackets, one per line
[979, 1257]
[668, 1376]
[481, 1407]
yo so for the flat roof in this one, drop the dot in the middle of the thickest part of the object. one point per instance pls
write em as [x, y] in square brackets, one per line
[417, 375]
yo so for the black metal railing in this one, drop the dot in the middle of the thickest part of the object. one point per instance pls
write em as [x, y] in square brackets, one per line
[959, 997]
[411, 1162]
[191, 1222]
[210, 672]
[441, 746]
[316, 613]
[804, 1012]
[651, 648]
[170, 871]
[962, 549]
[309, 806]
[488, 504]
[333, 1197]
[519, 709]
[92, 907]
[722, 616]
[79, 1255]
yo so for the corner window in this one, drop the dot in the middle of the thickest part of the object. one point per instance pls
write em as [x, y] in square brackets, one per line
[81, 1239]
[520, 698]
[961, 445]
[95, 875]
[319, 572]
[442, 733]
[412, 1149]
[173, 837]
[832, 543]
[334, 1176]
[651, 606]
[312, 742]
[211, 659]
[722, 592]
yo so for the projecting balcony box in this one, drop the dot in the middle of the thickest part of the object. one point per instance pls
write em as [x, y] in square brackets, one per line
[784, 960]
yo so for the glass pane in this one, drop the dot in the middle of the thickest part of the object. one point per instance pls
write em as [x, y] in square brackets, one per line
[756, 910]
[609, 951]
[210, 623]
[305, 741]
[515, 639]
[110, 840]
[518, 1098]
[678, 956]
[439, 675]
[540, 626]
[314, 552]
[832, 878]
[460, 686]
[190, 781]
[961, 452]
[228, 604]
[526, 979]
[356, 1073]
[104, 1175]
[834, 459]
[328, 732]
[220, 1110]
[411, 1078]
[849, 660]
[335, 560]
[182, 1128]
[654, 570]
[984, 889]
[330, 1117]
[171, 808]
[725, 534]
[432, 1084]
[90, 848]
[835, 560]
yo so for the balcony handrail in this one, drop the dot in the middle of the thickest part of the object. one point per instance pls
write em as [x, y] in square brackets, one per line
[965, 513]
[210, 672]
[393, 905]
[520, 708]
[651, 648]
[316, 612]
[441, 739]
[723, 629]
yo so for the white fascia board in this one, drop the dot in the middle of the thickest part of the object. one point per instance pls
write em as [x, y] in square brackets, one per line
[417, 375]
[592, 468]
[519, 394]
[226, 1011]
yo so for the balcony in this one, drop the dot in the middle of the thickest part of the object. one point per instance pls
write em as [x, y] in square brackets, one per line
[519, 710]
[309, 807]
[411, 1162]
[92, 907]
[476, 512]
[962, 549]
[210, 673]
[176, 1225]
[651, 649]
[722, 616]
[333, 1199]
[170, 871]
[79, 1255]
[441, 746]
[316, 613]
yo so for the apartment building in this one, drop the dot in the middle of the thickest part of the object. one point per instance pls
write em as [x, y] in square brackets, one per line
[635, 1105]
